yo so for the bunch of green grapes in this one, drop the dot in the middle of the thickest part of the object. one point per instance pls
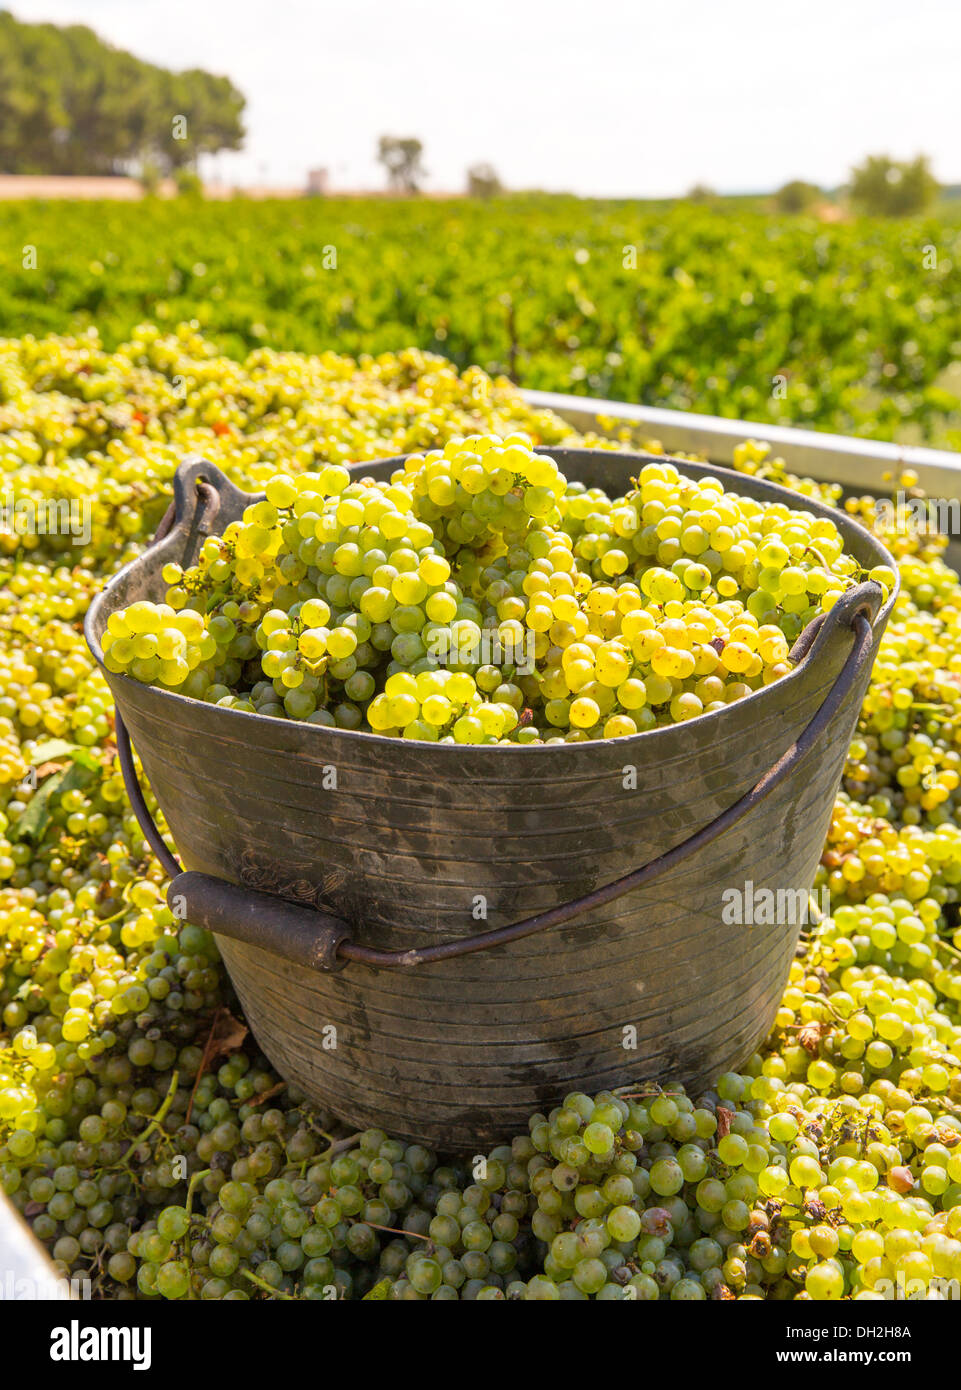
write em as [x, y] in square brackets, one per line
[753, 457]
[374, 606]
[866, 854]
[482, 489]
[109, 429]
[315, 1228]
[760, 1189]
[906, 756]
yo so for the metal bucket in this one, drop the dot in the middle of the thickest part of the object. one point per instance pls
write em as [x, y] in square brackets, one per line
[441, 939]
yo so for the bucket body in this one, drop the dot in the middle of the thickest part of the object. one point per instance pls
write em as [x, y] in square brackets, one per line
[413, 843]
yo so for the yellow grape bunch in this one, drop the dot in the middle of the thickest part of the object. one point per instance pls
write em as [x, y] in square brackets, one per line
[478, 597]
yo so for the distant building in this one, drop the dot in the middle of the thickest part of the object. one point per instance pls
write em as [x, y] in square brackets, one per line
[317, 182]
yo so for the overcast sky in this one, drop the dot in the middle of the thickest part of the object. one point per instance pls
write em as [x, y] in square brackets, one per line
[615, 97]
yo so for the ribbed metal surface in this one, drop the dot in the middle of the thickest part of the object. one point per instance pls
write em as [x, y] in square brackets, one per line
[415, 835]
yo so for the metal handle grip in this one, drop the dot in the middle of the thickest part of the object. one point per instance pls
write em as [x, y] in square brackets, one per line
[309, 938]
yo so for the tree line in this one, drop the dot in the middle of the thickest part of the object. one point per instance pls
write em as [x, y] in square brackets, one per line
[880, 187]
[72, 104]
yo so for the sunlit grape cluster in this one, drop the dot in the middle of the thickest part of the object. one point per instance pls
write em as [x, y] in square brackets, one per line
[150, 1146]
[906, 758]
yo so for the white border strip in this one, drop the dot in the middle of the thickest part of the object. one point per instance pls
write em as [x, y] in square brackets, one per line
[855, 463]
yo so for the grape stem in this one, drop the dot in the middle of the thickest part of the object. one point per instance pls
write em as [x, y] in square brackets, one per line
[625, 1093]
[337, 1145]
[188, 1207]
[156, 1121]
[265, 1095]
[813, 550]
[268, 1288]
[394, 1231]
[191, 1188]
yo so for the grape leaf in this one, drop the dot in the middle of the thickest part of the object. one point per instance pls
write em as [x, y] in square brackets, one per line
[53, 749]
[36, 818]
[379, 1291]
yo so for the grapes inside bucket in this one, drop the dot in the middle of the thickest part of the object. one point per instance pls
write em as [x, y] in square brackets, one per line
[464, 754]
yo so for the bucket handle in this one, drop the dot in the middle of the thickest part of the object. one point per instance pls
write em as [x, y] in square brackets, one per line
[314, 939]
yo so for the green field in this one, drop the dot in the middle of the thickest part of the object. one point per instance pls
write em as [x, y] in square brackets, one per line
[721, 308]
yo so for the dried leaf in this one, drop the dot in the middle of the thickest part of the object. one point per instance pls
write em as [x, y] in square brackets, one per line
[810, 1036]
[266, 1095]
[226, 1037]
[724, 1120]
[45, 769]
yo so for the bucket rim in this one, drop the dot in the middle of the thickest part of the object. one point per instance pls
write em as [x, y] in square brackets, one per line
[482, 752]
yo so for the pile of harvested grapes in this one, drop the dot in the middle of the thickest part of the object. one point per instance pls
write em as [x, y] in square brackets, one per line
[149, 1145]
[471, 599]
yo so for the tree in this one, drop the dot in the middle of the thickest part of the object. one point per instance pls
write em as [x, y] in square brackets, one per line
[402, 160]
[796, 196]
[700, 193]
[881, 187]
[482, 181]
[72, 104]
